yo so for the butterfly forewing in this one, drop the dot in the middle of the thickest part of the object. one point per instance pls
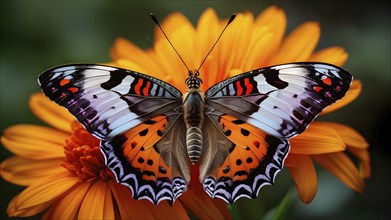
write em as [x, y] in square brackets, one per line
[107, 100]
[281, 100]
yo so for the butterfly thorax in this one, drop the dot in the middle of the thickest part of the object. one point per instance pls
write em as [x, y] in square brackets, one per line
[193, 105]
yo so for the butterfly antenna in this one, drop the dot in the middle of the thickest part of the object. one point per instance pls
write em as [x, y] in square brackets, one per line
[156, 21]
[229, 22]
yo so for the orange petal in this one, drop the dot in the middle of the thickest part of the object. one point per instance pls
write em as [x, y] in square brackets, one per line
[352, 94]
[68, 206]
[169, 62]
[165, 211]
[317, 139]
[97, 203]
[365, 161]
[170, 24]
[142, 62]
[260, 49]
[22, 171]
[343, 168]
[46, 190]
[204, 207]
[14, 211]
[350, 136]
[129, 208]
[304, 175]
[132, 209]
[50, 112]
[34, 142]
[333, 55]
[208, 29]
[233, 45]
[299, 44]
[274, 19]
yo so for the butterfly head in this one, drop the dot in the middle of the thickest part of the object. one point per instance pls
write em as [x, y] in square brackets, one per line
[193, 81]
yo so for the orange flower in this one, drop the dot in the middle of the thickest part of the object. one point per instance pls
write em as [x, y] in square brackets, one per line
[65, 174]
[250, 43]
[64, 170]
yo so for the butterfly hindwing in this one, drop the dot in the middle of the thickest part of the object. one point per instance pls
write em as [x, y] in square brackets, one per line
[107, 100]
[281, 100]
[251, 159]
[139, 161]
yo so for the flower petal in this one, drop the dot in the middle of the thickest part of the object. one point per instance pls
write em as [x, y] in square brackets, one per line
[365, 159]
[207, 32]
[165, 211]
[170, 24]
[142, 62]
[14, 211]
[46, 190]
[97, 203]
[260, 49]
[22, 171]
[69, 205]
[233, 46]
[168, 60]
[130, 208]
[333, 55]
[343, 168]
[204, 207]
[35, 142]
[50, 112]
[350, 136]
[304, 175]
[317, 139]
[352, 94]
[299, 44]
[274, 19]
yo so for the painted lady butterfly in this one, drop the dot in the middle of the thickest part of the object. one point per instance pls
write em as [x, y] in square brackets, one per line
[237, 131]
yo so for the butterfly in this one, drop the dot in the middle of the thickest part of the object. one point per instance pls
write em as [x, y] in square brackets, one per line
[237, 131]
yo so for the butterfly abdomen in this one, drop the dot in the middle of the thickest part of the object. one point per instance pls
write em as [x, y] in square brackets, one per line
[193, 114]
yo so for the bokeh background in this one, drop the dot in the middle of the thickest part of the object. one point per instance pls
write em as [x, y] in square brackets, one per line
[36, 35]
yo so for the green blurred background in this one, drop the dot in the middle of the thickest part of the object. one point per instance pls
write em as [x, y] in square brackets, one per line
[36, 35]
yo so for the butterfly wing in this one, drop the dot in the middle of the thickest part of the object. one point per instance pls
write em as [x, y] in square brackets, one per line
[107, 100]
[149, 158]
[135, 116]
[254, 114]
[239, 158]
[281, 100]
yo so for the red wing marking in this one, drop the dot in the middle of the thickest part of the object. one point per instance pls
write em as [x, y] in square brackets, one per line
[146, 89]
[239, 89]
[248, 85]
[138, 86]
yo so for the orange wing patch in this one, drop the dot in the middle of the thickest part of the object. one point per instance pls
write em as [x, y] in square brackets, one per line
[253, 161]
[140, 151]
[249, 148]
[137, 163]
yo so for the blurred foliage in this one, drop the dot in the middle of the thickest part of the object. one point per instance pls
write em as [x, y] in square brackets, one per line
[36, 35]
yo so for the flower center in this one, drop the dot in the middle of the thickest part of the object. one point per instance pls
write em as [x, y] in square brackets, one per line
[83, 156]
